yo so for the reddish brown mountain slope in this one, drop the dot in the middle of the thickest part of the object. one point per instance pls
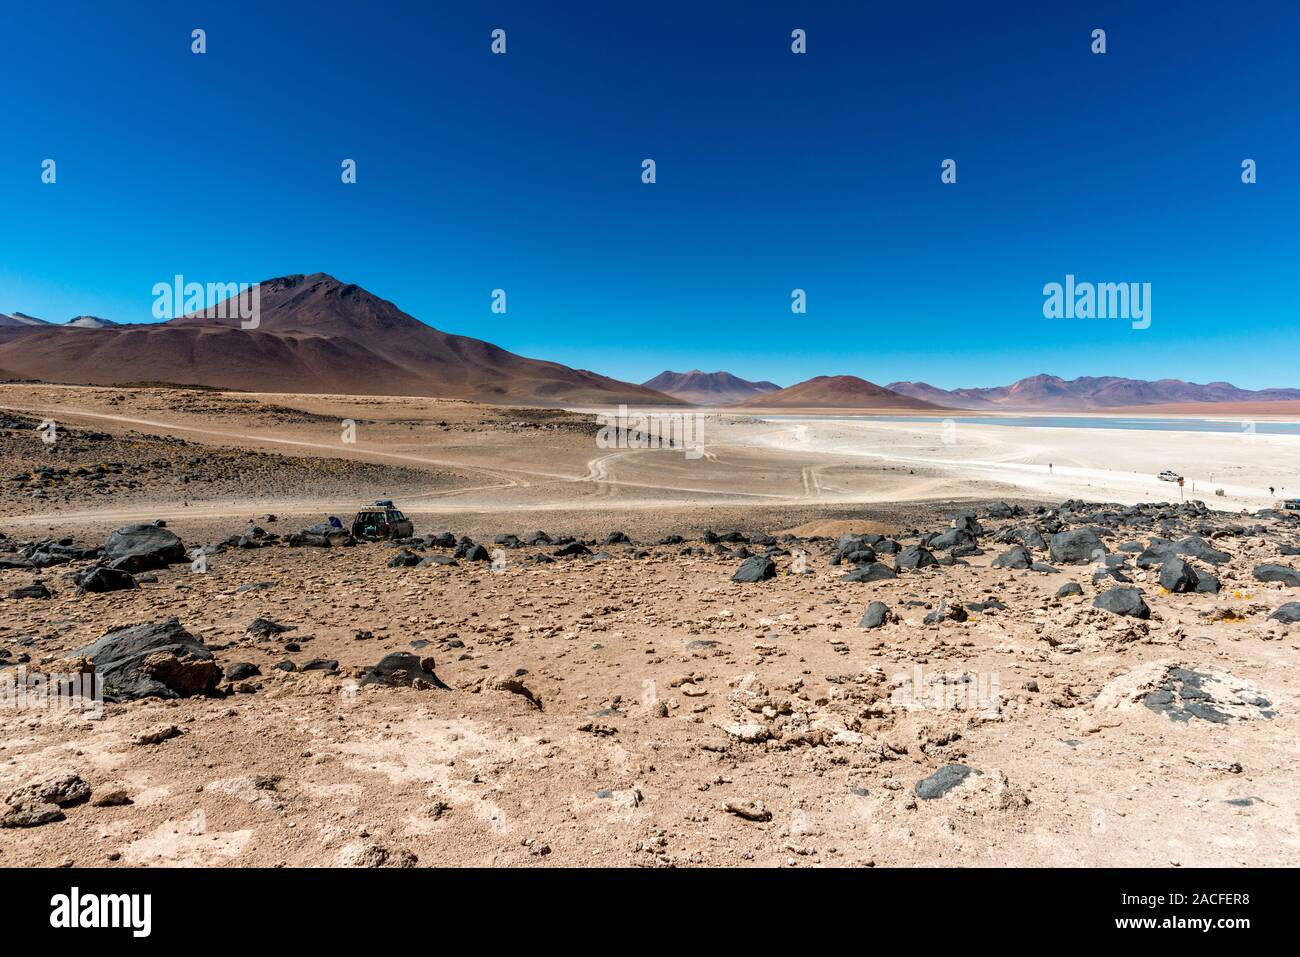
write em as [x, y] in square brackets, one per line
[316, 335]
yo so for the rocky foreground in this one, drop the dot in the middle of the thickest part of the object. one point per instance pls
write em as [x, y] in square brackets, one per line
[1080, 684]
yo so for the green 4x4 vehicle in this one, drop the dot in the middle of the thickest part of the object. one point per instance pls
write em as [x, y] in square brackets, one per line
[381, 520]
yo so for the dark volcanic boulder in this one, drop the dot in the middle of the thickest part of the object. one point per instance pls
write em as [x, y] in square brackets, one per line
[1028, 536]
[240, 670]
[572, 548]
[403, 669]
[849, 544]
[755, 569]
[863, 555]
[1014, 557]
[1178, 576]
[1077, 547]
[1277, 573]
[967, 522]
[266, 627]
[1194, 546]
[1123, 600]
[321, 535]
[308, 540]
[152, 660]
[1207, 583]
[34, 590]
[952, 538]
[1069, 588]
[101, 579]
[140, 548]
[869, 573]
[915, 557]
[877, 614]
[407, 559]
[1288, 613]
[1157, 552]
[1109, 574]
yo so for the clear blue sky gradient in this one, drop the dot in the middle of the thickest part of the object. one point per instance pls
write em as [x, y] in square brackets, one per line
[775, 171]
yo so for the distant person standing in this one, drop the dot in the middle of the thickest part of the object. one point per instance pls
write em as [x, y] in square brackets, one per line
[1049, 468]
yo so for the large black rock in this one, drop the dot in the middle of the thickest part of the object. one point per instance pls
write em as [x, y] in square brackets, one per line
[915, 557]
[869, 573]
[951, 538]
[1028, 536]
[322, 535]
[101, 579]
[877, 614]
[1077, 547]
[179, 665]
[755, 569]
[1015, 557]
[34, 590]
[1288, 613]
[141, 548]
[1123, 600]
[402, 669]
[1178, 576]
[1194, 546]
[406, 559]
[1277, 573]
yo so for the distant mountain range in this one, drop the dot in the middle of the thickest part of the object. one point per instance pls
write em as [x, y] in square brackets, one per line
[24, 321]
[316, 334]
[319, 335]
[837, 392]
[19, 320]
[708, 388]
[1088, 392]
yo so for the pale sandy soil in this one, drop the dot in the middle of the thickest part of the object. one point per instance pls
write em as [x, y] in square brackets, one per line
[310, 769]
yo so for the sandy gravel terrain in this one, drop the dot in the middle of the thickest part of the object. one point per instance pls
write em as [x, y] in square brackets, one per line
[631, 704]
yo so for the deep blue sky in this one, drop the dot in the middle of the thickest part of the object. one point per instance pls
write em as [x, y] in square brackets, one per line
[775, 171]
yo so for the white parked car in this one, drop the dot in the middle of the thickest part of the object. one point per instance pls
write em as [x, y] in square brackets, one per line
[1169, 475]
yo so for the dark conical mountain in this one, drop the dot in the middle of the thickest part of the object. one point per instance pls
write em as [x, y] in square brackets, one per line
[708, 388]
[836, 392]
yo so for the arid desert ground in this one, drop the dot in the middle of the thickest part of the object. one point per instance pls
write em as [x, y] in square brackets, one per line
[603, 692]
